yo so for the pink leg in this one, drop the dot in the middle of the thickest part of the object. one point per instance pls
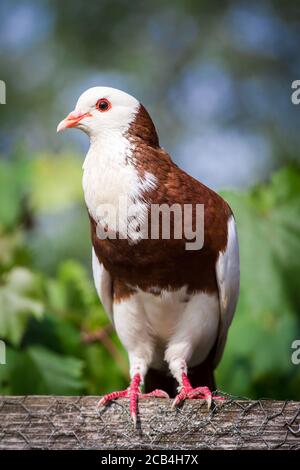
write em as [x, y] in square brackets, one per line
[200, 393]
[133, 392]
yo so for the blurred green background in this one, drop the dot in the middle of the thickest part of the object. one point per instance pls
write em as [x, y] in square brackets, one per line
[216, 78]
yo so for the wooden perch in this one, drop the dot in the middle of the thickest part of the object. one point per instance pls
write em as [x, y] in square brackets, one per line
[46, 422]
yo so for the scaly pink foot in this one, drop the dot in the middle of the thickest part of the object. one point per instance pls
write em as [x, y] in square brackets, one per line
[200, 393]
[133, 392]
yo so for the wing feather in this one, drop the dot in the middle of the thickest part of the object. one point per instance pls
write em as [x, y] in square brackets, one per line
[103, 284]
[228, 279]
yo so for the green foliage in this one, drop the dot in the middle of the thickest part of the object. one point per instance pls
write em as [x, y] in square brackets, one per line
[14, 184]
[39, 370]
[258, 353]
[18, 303]
[56, 182]
[47, 299]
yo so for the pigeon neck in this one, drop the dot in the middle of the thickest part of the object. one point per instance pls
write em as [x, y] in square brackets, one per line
[142, 128]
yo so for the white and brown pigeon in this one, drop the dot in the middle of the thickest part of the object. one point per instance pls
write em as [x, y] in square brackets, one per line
[171, 306]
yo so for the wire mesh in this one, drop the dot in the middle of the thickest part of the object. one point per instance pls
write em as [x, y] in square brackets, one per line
[46, 422]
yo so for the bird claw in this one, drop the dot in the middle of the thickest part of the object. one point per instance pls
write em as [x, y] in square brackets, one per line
[134, 420]
[134, 393]
[155, 393]
[208, 400]
[111, 396]
[198, 393]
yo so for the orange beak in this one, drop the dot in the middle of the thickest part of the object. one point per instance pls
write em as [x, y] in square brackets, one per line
[71, 120]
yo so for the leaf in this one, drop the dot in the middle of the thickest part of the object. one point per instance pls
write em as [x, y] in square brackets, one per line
[18, 303]
[55, 332]
[40, 371]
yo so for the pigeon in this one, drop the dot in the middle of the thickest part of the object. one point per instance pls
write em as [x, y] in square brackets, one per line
[170, 294]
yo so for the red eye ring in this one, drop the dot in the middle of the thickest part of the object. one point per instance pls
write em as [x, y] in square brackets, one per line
[103, 105]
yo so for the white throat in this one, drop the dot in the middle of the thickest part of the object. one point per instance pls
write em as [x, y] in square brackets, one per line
[110, 177]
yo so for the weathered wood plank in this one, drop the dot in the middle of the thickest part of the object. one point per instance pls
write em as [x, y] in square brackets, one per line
[45, 422]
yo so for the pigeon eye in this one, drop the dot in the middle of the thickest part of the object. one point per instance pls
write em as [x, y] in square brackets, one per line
[103, 105]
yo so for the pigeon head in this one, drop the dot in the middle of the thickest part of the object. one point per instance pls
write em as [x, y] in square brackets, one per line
[101, 110]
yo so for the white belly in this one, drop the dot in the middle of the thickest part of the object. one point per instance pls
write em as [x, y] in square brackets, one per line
[151, 325]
